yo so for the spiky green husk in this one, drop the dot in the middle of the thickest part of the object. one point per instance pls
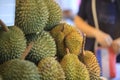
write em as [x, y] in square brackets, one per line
[50, 69]
[73, 68]
[19, 70]
[12, 44]
[94, 77]
[43, 47]
[55, 14]
[89, 59]
[32, 37]
[31, 15]
[73, 41]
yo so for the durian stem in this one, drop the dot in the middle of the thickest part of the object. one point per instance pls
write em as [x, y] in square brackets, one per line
[5, 28]
[83, 44]
[27, 50]
[68, 51]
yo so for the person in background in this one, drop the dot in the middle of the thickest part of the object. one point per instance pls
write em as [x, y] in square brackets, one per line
[108, 14]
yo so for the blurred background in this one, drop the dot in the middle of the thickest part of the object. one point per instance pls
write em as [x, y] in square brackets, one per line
[69, 8]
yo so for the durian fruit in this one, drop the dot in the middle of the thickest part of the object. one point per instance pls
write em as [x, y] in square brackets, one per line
[73, 68]
[12, 43]
[17, 69]
[69, 28]
[32, 37]
[43, 47]
[31, 15]
[89, 59]
[55, 14]
[60, 34]
[73, 41]
[55, 31]
[50, 69]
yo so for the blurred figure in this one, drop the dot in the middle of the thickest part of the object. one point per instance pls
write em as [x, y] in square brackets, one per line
[108, 14]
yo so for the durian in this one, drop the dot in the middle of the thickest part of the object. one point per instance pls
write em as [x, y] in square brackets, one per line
[67, 29]
[59, 37]
[73, 68]
[73, 41]
[12, 43]
[50, 69]
[55, 14]
[43, 47]
[17, 69]
[62, 27]
[31, 15]
[90, 60]
[32, 37]
[63, 35]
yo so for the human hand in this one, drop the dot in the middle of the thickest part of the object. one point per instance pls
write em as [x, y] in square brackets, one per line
[103, 39]
[116, 45]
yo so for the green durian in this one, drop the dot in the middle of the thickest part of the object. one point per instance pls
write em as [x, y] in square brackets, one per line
[31, 15]
[32, 37]
[90, 60]
[73, 68]
[17, 69]
[12, 43]
[55, 14]
[43, 47]
[50, 69]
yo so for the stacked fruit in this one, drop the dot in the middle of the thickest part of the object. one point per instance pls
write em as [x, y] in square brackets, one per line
[77, 63]
[39, 47]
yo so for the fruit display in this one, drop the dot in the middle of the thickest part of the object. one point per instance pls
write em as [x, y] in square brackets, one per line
[57, 50]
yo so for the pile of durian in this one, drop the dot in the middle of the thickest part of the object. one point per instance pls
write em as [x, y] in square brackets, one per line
[40, 47]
